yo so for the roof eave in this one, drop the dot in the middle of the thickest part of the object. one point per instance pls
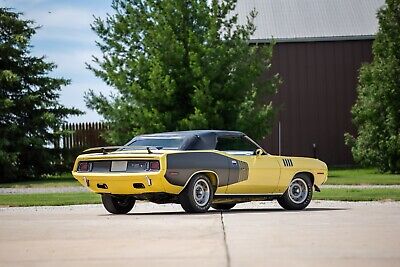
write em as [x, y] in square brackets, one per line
[312, 39]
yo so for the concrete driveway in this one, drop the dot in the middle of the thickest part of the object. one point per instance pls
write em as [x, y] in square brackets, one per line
[252, 234]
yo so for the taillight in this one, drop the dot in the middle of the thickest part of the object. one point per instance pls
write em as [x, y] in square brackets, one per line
[84, 166]
[154, 165]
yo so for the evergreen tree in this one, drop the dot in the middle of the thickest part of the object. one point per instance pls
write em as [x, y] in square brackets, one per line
[376, 112]
[29, 108]
[179, 65]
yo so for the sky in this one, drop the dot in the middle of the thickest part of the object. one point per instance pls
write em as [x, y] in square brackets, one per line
[66, 39]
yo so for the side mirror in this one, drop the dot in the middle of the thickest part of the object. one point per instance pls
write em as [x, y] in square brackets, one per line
[259, 152]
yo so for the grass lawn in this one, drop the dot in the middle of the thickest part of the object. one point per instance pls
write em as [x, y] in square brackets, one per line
[353, 176]
[59, 199]
[373, 194]
[56, 199]
[62, 180]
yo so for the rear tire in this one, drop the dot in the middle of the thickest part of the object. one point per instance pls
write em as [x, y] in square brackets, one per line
[118, 204]
[299, 193]
[223, 206]
[197, 195]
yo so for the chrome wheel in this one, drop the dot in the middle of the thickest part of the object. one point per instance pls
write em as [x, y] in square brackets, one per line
[298, 191]
[197, 195]
[201, 192]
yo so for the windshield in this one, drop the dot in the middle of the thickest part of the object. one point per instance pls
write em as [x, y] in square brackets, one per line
[159, 143]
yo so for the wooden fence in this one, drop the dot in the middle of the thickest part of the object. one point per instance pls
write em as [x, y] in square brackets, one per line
[83, 135]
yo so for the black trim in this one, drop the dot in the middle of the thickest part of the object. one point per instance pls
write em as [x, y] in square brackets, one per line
[182, 166]
[104, 166]
[245, 198]
[287, 162]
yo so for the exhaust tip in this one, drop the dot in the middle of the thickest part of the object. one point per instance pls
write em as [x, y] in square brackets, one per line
[102, 186]
[138, 185]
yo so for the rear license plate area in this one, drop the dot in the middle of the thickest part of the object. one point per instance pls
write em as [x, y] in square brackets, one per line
[119, 166]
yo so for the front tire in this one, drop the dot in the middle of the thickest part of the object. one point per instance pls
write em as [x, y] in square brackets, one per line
[223, 206]
[197, 195]
[299, 193]
[117, 204]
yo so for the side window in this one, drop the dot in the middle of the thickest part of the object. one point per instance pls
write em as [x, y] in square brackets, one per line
[239, 146]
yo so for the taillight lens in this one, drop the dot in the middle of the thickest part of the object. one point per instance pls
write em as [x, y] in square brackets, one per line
[154, 165]
[84, 166]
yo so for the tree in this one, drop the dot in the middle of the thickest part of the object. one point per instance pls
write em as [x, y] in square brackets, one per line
[29, 108]
[376, 112]
[179, 65]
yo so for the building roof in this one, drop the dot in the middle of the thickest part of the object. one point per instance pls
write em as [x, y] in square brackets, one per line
[311, 20]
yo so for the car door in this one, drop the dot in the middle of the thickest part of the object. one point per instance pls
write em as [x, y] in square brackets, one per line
[262, 172]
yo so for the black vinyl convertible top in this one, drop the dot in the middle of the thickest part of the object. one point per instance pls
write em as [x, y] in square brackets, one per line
[195, 139]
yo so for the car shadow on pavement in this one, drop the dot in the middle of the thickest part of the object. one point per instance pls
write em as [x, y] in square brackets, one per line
[232, 211]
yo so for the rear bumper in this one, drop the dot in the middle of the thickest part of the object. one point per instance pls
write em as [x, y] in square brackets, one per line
[122, 183]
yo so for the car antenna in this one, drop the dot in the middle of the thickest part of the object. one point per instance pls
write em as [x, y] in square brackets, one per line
[148, 150]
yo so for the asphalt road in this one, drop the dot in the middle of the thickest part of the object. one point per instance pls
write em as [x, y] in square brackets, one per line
[253, 234]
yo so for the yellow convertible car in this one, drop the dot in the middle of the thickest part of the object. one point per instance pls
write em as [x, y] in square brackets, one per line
[198, 169]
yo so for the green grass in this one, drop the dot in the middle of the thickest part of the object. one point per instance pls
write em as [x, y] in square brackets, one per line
[353, 176]
[374, 194]
[55, 199]
[59, 199]
[62, 180]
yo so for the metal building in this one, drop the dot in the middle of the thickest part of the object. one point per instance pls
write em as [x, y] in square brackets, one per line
[320, 47]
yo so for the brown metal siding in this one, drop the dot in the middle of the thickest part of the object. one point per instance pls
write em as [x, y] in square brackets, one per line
[318, 90]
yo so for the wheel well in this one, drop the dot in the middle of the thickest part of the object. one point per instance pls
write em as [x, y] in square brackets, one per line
[213, 179]
[211, 175]
[309, 174]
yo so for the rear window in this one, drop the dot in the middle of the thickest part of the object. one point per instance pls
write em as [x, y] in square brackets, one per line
[159, 143]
